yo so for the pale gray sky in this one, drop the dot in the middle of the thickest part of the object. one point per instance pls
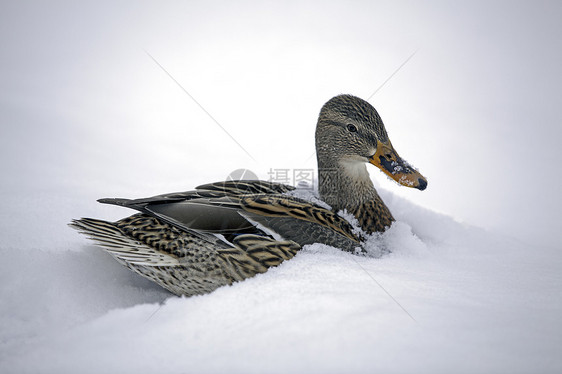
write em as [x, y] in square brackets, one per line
[85, 113]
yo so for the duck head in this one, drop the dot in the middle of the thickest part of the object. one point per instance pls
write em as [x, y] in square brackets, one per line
[351, 132]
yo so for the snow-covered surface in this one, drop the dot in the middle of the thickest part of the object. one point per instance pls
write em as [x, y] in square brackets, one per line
[448, 298]
[85, 114]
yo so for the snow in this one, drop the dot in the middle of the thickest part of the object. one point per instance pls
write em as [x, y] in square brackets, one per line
[447, 298]
[467, 280]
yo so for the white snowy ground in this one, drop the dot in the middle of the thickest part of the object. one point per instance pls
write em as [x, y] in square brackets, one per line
[449, 299]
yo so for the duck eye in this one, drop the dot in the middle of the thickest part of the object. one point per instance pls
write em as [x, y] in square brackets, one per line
[352, 128]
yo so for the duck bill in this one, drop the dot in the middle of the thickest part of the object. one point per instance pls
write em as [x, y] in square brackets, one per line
[387, 159]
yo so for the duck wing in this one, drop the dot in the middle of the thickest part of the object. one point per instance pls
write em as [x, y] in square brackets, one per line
[299, 220]
[234, 208]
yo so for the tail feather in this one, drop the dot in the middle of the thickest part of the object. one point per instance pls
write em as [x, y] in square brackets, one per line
[190, 264]
[119, 245]
[115, 201]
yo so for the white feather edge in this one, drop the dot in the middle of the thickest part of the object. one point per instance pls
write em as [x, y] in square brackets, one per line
[123, 248]
[265, 229]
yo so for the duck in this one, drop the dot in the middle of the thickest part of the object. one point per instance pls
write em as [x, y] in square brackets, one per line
[193, 242]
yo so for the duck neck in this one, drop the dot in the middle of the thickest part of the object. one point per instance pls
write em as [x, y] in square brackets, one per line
[345, 184]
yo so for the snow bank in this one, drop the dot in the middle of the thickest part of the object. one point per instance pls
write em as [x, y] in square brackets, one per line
[448, 298]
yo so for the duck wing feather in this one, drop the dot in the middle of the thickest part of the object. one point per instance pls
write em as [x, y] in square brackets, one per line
[247, 207]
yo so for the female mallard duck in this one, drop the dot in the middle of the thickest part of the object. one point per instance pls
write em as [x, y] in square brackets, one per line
[194, 242]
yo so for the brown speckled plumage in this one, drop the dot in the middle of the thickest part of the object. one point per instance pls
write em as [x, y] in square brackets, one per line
[196, 241]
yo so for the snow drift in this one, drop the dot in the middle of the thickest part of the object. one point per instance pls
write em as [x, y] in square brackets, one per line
[447, 298]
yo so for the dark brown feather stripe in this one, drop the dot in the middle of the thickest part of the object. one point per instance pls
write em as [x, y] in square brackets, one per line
[373, 216]
[237, 188]
[282, 206]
